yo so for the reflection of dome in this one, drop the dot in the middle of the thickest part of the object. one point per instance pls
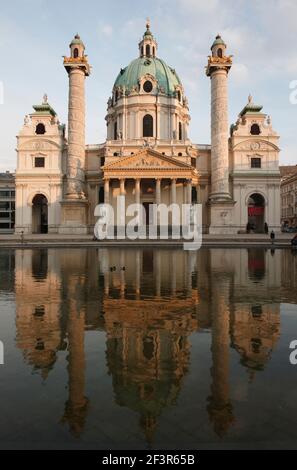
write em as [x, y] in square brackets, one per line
[166, 77]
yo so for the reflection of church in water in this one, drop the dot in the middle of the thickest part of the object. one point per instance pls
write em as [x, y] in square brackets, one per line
[148, 303]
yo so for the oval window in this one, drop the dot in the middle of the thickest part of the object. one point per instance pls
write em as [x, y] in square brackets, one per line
[147, 86]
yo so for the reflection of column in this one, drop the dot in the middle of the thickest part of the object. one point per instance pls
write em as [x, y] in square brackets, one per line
[173, 275]
[158, 272]
[76, 405]
[137, 274]
[106, 191]
[219, 407]
[189, 273]
[106, 273]
[122, 267]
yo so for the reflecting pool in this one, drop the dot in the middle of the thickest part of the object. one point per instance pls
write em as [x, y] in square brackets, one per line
[138, 348]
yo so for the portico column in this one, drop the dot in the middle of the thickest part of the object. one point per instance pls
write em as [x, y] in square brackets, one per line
[189, 192]
[122, 186]
[173, 191]
[122, 209]
[137, 190]
[106, 191]
[158, 191]
[198, 190]
[173, 201]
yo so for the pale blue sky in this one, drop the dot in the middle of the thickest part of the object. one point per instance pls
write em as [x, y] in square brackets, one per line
[261, 34]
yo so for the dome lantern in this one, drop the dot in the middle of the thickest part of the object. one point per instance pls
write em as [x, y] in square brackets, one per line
[148, 45]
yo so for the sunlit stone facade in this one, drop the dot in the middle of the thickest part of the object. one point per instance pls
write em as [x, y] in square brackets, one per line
[148, 155]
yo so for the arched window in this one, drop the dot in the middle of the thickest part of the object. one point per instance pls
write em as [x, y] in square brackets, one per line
[116, 96]
[255, 129]
[148, 126]
[75, 53]
[141, 51]
[147, 50]
[180, 131]
[147, 86]
[154, 51]
[179, 154]
[40, 128]
[115, 131]
[220, 52]
[179, 95]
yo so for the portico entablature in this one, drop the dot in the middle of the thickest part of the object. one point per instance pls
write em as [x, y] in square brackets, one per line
[150, 164]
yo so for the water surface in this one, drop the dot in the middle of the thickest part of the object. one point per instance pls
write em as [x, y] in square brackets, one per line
[132, 348]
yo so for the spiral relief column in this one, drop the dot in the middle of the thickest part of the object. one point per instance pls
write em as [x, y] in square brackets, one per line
[76, 135]
[220, 200]
[74, 205]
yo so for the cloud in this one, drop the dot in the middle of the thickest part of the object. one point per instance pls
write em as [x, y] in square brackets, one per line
[240, 74]
[199, 6]
[106, 29]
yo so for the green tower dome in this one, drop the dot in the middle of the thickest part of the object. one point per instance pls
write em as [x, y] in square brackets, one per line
[148, 64]
[166, 77]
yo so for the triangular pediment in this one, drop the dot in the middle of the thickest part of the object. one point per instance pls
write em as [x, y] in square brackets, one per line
[147, 159]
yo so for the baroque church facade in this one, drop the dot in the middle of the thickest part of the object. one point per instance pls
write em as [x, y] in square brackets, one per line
[148, 155]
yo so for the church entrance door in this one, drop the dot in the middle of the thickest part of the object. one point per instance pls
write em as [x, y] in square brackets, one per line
[39, 214]
[146, 206]
[256, 213]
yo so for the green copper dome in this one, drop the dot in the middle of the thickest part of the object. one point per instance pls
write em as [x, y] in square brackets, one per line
[166, 77]
[76, 41]
[218, 42]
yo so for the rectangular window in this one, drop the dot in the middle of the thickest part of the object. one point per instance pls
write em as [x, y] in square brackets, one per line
[4, 194]
[39, 162]
[4, 225]
[4, 205]
[4, 215]
[255, 162]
